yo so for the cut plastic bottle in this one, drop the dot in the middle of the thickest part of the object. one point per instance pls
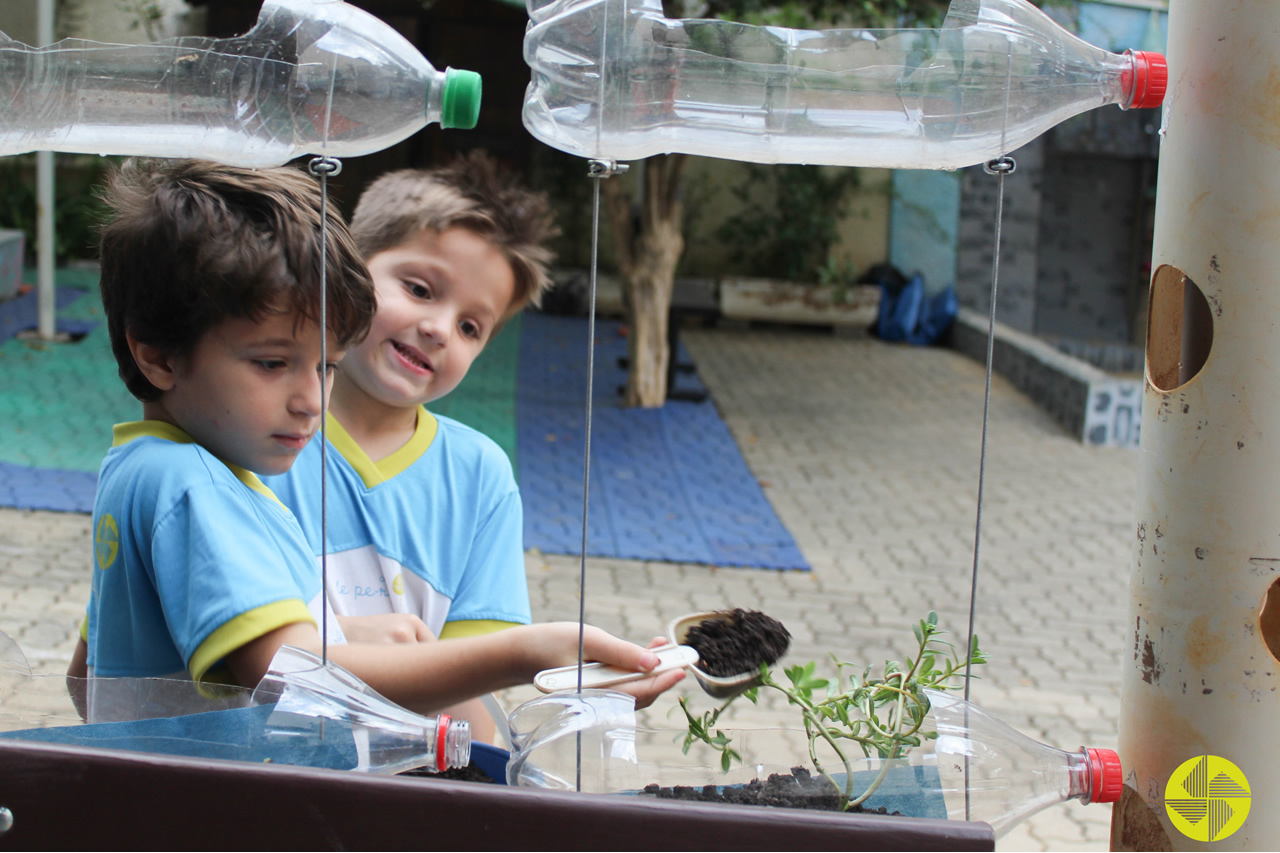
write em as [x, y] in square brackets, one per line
[312, 77]
[977, 768]
[1009, 776]
[614, 79]
[388, 738]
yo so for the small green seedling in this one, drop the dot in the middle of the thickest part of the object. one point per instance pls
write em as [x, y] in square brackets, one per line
[883, 715]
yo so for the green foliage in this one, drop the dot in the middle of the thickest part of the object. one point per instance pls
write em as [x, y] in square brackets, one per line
[882, 714]
[145, 15]
[77, 209]
[792, 236]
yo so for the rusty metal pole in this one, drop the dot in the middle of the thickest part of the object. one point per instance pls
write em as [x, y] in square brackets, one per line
[1203, 675]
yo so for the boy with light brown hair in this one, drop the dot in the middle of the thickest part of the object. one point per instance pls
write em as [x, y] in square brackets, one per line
[424, 515]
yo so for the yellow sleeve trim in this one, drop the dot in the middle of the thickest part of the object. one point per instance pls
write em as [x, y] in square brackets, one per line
[84, 628]
[243, 629]
[473, 628]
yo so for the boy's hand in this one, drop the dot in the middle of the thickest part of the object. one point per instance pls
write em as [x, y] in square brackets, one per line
[384, 628]
[561, 649]
[646, 690]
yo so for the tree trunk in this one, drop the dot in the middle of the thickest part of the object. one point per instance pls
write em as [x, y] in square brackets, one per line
[649, 246]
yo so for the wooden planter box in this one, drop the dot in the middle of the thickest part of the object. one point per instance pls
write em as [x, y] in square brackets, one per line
[70, 798]
[776, 301]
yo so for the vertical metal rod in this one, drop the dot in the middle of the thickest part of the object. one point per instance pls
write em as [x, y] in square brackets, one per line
[46, 298]
[586, 449]
[1000, 168]
[597, 170]
[586, 444]
[324, 409]
[323, 168]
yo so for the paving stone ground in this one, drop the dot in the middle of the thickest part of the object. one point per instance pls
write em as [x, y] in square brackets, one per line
[869, 453]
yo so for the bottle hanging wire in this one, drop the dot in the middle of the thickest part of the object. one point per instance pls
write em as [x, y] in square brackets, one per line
[596, 170]
[324, 168]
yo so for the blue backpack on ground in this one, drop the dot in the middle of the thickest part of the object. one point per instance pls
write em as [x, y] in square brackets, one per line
[907, 315]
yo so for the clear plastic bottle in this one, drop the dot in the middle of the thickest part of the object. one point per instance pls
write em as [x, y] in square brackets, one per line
[311, 77]
[388, 738]
[977, 768]
[989, 771]
[615, 79]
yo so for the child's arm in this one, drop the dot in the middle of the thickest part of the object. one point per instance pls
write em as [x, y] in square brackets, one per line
[385, 628]
[428, 676]
[408, 628]
[77, 672]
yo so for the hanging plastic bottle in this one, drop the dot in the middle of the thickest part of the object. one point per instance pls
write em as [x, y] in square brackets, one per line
[388, 738]
[311, 77]
[615, 79]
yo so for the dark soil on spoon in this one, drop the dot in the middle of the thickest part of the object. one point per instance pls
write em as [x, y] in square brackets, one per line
[800, 790]
[748, 639]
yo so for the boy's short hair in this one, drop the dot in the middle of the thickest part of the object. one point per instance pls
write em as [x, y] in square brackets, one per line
[192, 243]
[475, 193]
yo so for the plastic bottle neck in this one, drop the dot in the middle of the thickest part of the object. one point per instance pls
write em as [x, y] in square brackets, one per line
[1145, 81]
[1096, 775]
[453, 743]
[1080, 776]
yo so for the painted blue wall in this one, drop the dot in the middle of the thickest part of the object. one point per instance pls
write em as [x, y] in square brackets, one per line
[923, 216]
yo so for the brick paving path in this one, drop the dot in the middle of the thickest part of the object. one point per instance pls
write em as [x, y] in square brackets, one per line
[869, 453]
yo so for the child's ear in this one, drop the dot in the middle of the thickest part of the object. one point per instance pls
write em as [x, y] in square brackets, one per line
[155, 363]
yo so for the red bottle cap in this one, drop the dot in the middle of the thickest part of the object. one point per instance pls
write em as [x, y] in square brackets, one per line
[1148, 80]
[1106, 780]
[442, 734]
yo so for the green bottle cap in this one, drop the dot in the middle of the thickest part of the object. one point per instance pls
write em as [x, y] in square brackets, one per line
[461, 104]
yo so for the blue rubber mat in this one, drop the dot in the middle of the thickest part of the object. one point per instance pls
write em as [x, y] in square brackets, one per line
[30, 487]
[666, 484]
[22, 313]
[54, 489]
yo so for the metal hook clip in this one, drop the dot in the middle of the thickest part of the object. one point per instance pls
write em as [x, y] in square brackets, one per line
[1005, 165]
[605, 168]
[328, 167]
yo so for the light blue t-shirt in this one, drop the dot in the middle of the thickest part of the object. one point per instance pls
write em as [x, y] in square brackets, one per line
[193, 559]
[435, 529]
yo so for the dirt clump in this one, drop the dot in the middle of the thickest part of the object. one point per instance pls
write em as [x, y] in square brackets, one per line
[739, 644]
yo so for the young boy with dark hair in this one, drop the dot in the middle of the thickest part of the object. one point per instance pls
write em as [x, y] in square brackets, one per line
[211, 287]
[424, 515]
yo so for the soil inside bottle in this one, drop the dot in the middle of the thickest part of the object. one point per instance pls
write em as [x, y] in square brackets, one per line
[798, 790]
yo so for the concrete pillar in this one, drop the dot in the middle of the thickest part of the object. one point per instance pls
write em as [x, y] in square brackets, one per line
[1203, 674]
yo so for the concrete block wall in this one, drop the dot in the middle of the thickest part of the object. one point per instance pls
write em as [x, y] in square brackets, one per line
[1091, 404]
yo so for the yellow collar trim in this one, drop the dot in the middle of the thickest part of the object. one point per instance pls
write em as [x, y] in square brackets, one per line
[375, 473]
[122, 434]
